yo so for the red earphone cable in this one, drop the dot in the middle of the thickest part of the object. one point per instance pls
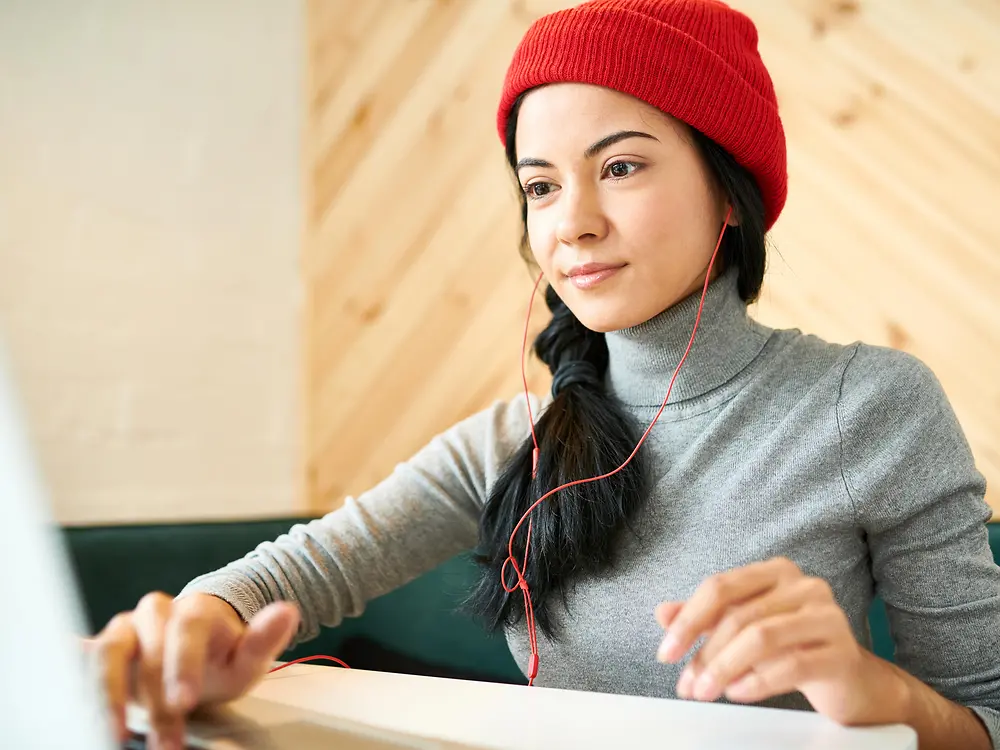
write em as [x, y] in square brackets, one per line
[307, 658]
[521, 582]
[519, 571]
[534, 468]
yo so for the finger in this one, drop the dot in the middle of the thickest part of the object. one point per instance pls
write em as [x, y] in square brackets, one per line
[184, 652]
[711, 599]
[666, 611]
[267, 635]
[150, 617]
[115, 649]
[761, 642]
[791, 597]
[784, 674]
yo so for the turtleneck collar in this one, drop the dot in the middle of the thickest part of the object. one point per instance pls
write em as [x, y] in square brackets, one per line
[643, 358]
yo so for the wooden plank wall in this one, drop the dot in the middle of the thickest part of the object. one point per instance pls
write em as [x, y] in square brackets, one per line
[416, 295]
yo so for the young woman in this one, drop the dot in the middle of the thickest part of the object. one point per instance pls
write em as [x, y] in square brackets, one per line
[786, 481]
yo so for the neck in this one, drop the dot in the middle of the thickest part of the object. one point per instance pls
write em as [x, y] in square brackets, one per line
[643, 358]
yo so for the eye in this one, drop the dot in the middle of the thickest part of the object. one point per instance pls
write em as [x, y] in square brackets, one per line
[620, 169]
[537, 190]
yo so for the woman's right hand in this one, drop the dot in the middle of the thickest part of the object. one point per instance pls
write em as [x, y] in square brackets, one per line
[173, 655]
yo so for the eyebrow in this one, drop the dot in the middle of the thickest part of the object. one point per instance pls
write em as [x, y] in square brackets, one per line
[592, 150]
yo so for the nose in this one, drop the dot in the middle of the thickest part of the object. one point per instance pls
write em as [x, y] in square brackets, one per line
[582, 218]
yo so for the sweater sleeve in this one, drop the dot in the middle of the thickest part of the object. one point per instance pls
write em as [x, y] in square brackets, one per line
[919, 498]
[426, 511]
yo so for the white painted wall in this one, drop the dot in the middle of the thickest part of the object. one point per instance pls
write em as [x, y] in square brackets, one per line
[150, 225]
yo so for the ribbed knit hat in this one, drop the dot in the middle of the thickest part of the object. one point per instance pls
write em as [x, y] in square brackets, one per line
[696, 60]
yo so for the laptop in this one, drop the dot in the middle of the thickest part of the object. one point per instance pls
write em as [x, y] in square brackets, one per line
[45, 669]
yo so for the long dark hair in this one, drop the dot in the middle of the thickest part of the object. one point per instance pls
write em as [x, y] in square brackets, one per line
[586, 432]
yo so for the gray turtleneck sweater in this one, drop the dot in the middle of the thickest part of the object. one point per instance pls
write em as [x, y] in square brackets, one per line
[846, 459]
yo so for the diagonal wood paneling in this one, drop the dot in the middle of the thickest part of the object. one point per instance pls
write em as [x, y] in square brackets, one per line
[415, 292]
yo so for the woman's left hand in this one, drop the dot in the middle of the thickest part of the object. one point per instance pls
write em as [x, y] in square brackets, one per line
[772, 630]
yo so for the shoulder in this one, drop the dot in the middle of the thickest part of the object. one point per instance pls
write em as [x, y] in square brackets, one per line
[466, 458]
[889, 383]
[490, 436]
[902, 445]
[857, 369]
[799, 362]
[894, 416]
[505, 420]
[892, 409]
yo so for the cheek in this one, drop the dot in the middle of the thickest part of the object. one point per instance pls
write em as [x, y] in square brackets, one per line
[649, 213]
[666, 222]
[648, 225]
[541, 239]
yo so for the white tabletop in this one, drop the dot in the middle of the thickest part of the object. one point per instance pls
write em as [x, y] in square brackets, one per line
[511, 716]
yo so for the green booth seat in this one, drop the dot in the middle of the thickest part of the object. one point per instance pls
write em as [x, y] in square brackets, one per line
[418, 628]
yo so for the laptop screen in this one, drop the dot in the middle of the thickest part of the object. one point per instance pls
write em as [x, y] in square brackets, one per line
[43, 663]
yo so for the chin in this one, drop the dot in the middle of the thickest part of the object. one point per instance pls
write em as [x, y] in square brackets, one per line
[609, 307]
[604, 318]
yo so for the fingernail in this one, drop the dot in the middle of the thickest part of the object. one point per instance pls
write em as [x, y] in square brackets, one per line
[705, 689]
[667, 648]
[684, 683]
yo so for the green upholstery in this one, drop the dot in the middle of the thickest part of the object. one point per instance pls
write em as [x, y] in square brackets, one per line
[115, 566]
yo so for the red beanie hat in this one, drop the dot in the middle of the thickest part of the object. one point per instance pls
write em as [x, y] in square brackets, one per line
[696, 60]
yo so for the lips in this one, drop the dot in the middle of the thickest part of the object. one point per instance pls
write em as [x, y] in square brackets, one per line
[589, 275]
[589, 268]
